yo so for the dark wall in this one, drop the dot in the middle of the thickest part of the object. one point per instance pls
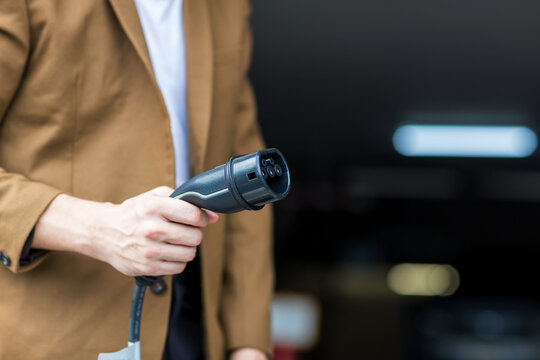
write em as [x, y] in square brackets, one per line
[338, 76]
[334, 79]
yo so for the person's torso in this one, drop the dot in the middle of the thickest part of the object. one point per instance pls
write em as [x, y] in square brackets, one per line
[88, 118]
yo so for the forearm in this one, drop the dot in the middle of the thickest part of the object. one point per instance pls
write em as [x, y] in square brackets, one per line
[69, 224]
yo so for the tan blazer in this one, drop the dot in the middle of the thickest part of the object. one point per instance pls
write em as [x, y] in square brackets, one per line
[81, 113]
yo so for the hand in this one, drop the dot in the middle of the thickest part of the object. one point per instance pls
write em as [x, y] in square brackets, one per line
[248, 354]
[149, 234]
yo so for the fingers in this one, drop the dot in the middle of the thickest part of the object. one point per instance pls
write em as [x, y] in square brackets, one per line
[167, 259]
[173, 233]
[165, 268]
[164, 259]
[181, 212]
[172, 253]
[158, 202]
[172, 268]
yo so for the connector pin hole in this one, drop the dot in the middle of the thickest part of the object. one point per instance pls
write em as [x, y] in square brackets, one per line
[264, 174]
[270, 171]
[266, 162]
[278, 170]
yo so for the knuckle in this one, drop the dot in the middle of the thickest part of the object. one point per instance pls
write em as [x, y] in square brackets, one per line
[196, 216]
[181, 267]
[204, 218]
[191, 213]
[153, 205]
[197, 237]
[154, 233]
[151, 230]
[192, 253]
[151, 253]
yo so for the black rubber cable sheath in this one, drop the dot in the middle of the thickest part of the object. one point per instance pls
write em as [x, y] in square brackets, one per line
[136, 311]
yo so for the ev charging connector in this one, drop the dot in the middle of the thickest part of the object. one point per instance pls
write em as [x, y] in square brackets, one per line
[246, 182]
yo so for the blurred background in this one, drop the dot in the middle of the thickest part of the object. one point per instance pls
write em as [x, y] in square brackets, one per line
[412, 227]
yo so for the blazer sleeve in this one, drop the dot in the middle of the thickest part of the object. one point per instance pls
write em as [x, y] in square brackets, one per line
[22, 201]
[249, 276]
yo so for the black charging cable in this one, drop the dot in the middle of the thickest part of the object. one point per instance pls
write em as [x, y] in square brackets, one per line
[141, 283]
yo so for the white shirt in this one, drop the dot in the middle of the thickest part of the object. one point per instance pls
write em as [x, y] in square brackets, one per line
[163, 27]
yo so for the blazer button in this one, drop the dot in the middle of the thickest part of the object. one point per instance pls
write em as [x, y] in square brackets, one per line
[159, 286]
[5, 259]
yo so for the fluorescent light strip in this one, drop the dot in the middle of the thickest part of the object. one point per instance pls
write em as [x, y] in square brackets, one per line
[465, 141]
[423, 279]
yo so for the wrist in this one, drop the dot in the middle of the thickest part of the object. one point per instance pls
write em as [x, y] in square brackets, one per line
[68, 224]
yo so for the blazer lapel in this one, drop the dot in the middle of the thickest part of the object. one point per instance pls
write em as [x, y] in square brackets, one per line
[199, 67]
[200, 64]
[127, 15]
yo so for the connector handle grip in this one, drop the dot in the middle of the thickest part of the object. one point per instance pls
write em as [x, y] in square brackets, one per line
[209, 190]
[245, 182]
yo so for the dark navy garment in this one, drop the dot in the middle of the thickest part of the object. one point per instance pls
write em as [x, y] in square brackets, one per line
[185, 333]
